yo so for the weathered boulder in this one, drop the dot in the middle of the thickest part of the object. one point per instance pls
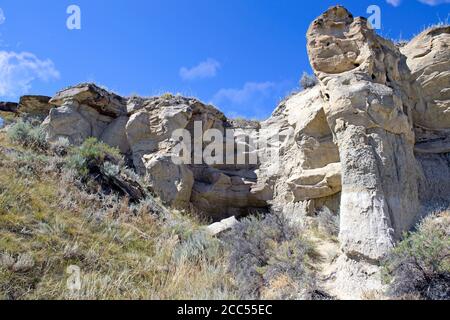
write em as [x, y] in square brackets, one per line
[35, 105]
[219, 190]
[67, 122]
[75, 121]
[364, 81]
[104, 102]
[316, 183]
[86, 111]
[220, 227]
[428, 57]
[153, 125]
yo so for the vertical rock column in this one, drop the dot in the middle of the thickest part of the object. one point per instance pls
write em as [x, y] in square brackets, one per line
[363, 79]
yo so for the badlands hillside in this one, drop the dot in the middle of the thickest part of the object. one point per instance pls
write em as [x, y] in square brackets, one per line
[348, 198]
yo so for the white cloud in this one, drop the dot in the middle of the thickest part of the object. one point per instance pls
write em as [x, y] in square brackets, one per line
[19, 70]
[245, 94]
[205, 69]
[396, 3]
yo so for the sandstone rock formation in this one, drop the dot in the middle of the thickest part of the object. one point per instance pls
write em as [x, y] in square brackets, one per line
[428, 57]
[365, 84]
[83, 111]
[309, 173]
[365, 142]
[370, 142]
[34, 106]
[142, 128]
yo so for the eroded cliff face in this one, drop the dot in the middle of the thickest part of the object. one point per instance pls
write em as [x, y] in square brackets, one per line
[428, 57]
[143, 128]
[371, 142]
[365, 81]
[309, 176]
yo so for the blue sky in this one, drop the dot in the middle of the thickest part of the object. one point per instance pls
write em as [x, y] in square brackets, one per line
[241, 55]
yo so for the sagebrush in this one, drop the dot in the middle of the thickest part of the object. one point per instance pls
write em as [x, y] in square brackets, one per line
[419, 267]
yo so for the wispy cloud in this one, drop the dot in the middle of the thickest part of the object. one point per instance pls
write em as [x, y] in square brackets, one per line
[396, 3]
[2, 16]
[19, 70]
[244, 94]
[434, 2]
[205, 69]
[254, 99]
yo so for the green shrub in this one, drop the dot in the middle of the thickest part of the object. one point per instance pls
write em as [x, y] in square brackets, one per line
[92, 153]
[28, 135]
[419, 266]
[167, 96]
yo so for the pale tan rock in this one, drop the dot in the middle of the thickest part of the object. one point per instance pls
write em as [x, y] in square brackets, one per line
[141, 138]
[115, 134]
[135, 104]
[67, 122]
[217, 190]
[364, 80]
[306, 145]
[369, 141]
[84, 111]
[172, 183]
[104, 102]
[316, 183]
[428, 57]
[220, 227]
[355, 280]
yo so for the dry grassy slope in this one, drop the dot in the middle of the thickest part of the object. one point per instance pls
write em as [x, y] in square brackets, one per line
[47, 225]
[50, 222]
